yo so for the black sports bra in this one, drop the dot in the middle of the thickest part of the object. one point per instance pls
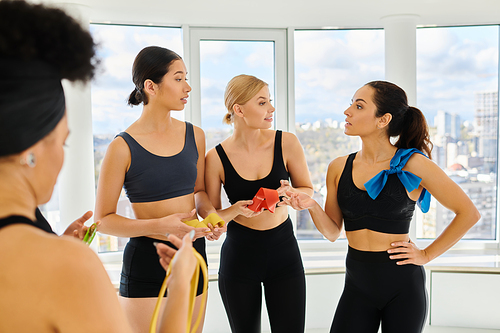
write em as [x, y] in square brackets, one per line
[390, 212]
[41, 223]
[238, 188]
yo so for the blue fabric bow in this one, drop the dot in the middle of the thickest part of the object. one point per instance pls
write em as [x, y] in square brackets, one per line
[375, 185]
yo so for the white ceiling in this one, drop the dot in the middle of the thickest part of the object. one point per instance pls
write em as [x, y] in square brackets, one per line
[290, 13]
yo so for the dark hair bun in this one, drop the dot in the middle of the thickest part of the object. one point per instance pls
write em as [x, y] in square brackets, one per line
[36, 32]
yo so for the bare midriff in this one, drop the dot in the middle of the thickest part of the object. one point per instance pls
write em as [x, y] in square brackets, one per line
[266, 220]
[158, 209]
[373, 241]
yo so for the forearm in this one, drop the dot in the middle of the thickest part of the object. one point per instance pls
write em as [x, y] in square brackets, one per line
[329, 228]
[229, 213]
[203, 205]
[452, 233]
[116, 225]
[307, 190]
[175, 315]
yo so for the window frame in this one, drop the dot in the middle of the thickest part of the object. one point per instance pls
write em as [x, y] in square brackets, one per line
[285, 120]
[474, 244]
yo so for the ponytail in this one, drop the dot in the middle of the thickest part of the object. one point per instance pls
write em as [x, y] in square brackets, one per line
[228, 118]
[151, 63]
[415, 132]
[408, 123]
[137, 97]
[239, 90]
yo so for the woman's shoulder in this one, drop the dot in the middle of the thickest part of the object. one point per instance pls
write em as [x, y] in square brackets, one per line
[119, 148]
[337, 165]
[290, 140]
[418, 163]
[33, 248]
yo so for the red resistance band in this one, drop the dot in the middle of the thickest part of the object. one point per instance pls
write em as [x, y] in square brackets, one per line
[265, 198]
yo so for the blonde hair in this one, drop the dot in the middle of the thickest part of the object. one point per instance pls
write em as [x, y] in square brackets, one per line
[240, 90]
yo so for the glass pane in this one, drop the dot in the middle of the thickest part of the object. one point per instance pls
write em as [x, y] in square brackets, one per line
[220, 61]
[457, 90]
[118, 46]
[330, 65]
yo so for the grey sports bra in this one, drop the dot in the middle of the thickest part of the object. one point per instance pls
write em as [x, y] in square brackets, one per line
[153, 178]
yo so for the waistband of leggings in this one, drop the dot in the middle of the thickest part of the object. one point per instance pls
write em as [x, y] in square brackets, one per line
[368, 256]
[242, 233]
[147, 242]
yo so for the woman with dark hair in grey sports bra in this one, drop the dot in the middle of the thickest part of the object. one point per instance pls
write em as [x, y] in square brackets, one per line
[159, 161]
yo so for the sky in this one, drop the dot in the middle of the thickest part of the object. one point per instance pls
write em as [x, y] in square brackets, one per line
[330, 65]
[117, 47]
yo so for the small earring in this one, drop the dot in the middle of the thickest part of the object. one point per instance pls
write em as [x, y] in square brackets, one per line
[30, 160]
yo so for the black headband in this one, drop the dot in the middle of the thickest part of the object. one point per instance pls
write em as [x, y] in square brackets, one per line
[31, 103]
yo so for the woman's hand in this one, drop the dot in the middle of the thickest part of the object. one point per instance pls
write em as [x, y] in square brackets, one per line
[298, 200]
[243, 210]
[78, 229]
[216, 232]
[184, 262]
[173, 224]
[408, 253]
[284, 188]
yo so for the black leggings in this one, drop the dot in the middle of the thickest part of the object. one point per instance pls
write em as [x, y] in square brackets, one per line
[378, 290]
[142, 275]
[250, 258]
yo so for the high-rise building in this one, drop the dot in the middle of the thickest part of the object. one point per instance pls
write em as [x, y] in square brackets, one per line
[447, 124]
[486, 119]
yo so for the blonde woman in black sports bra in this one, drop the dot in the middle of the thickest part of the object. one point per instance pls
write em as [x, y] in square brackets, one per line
[260, 247]
[372, 194]
[159, 161]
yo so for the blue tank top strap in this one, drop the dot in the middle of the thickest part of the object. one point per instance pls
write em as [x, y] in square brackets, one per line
[410, 181]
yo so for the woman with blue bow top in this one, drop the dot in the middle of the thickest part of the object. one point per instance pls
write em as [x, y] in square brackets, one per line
[372, 194]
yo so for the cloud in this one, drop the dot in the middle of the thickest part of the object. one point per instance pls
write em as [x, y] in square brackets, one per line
[452, 64]
[331, 66]
[261, 57]
[119, 45]
[211, 51]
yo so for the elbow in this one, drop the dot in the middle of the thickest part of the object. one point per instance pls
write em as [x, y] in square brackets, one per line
[477, 215]
[474, 214]
[103, 226]
[332, 236]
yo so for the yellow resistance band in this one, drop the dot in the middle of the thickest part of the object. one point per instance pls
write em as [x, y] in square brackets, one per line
[213, 219]
[192, 294]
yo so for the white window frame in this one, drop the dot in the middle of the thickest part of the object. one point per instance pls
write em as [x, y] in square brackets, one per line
[285, 114]
[474, 244]
[192, 37]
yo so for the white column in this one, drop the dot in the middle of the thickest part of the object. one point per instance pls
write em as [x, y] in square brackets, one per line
[76, 181]
[401, 53]
[401, 62]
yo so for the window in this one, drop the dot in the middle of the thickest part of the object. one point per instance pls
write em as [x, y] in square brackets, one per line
[457, 90]
[330, 65]
[119, 45]
[220, 61]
